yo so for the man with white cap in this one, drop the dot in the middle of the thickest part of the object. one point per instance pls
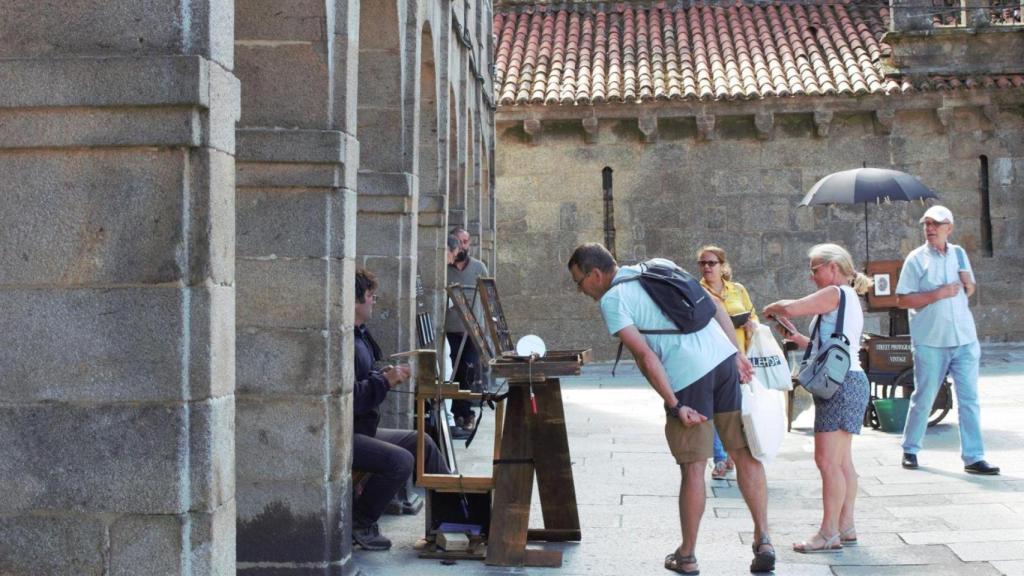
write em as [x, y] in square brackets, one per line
[934, 284]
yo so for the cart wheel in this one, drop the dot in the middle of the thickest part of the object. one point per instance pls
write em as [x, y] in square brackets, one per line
[903, 386]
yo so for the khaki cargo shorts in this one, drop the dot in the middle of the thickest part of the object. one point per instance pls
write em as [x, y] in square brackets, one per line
[717, 396]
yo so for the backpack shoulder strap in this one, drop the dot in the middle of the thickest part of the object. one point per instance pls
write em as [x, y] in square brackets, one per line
[961, 259]
[618, 281]
[618, 355]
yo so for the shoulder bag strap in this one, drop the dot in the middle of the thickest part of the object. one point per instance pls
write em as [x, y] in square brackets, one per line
[842, 312]
[814, 335]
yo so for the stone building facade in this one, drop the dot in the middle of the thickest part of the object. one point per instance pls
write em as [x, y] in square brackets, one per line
[186, 189]
[716, 119]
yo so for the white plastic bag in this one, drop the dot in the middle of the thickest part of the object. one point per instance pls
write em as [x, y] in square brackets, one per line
[764, 419]
[770, 366]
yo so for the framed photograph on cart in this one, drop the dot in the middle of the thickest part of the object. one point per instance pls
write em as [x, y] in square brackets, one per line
[883, 286]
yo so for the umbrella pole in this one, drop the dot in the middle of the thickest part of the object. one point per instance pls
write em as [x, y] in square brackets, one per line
[867, 249]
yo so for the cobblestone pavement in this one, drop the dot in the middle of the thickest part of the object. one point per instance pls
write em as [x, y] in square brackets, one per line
[935, 521]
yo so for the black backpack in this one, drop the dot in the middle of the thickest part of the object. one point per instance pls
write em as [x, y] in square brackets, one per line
[679, 296]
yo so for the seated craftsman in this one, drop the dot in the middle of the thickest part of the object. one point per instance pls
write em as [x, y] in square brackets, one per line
[389, 455]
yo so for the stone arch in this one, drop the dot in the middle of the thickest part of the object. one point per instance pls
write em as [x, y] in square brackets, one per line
[472, 187]
[380, 109]
[456, 162]
[433, 199]
[387, 189]
[429, 121]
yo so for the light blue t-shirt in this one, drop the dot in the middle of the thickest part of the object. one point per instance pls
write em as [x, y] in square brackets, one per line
[686, 357]
[947, 322]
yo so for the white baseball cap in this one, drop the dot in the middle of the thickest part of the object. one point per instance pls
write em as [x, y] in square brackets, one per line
[938, 214]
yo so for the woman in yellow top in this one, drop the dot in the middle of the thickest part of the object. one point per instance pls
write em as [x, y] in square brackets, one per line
[716, 278]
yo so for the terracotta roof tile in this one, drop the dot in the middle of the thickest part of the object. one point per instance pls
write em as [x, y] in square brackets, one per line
[623, 52]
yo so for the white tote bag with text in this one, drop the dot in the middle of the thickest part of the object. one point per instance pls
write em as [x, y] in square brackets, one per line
[770, 366]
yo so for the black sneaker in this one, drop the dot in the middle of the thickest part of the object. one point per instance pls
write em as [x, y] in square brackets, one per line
[983, 468]
[370, 538]
[909, 461]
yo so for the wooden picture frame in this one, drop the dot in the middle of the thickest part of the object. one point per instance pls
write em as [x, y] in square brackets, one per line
[473, 329]
[494, 316]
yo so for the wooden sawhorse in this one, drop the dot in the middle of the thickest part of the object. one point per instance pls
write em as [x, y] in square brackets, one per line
[533, 443]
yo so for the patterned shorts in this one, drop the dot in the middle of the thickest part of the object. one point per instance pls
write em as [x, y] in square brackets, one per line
[844, 410]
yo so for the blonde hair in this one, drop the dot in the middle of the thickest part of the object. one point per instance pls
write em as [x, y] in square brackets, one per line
[836, 253]
[726, 269]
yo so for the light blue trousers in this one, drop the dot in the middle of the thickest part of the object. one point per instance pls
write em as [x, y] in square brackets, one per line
[719, 449]
[930, 367]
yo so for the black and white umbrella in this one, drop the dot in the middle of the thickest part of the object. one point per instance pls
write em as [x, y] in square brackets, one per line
[867, 186]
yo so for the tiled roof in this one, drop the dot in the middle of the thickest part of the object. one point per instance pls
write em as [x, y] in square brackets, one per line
[620, 52]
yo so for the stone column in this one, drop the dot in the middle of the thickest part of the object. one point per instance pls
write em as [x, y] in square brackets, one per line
[474, 205]
[487, 201]
[117, 288]
[457, 213]
[977, 13]
[297, 165]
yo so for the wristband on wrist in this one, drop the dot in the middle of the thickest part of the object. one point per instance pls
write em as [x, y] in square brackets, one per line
[674, 411]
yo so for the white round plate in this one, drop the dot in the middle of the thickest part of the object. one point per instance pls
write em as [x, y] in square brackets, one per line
[531, 344]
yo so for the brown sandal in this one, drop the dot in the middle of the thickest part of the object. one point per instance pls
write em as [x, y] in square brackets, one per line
[675, 561]
[763, 561]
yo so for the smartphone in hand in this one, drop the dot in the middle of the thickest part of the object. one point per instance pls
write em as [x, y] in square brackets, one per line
[787, 327]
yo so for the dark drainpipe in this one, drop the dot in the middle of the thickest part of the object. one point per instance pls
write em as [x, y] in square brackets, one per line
[609, 210]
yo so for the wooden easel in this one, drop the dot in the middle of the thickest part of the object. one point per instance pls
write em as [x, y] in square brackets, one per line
[429, 387]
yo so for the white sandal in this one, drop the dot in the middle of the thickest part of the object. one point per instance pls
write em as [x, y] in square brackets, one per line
[828, 544]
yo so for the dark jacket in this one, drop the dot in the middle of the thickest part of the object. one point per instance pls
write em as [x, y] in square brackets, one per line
[371, 387]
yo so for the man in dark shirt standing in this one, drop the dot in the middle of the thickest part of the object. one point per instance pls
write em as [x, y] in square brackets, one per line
[389, 455]
[468, 373]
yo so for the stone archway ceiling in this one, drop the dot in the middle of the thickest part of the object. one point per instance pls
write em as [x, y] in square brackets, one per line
[643, 52]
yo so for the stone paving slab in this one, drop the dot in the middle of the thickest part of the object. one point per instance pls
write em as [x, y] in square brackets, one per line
[1011, 498]
[957, 536]
[935, 521]
[968, 569]
[964, 516]
[1011, 568]
[987, 551]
